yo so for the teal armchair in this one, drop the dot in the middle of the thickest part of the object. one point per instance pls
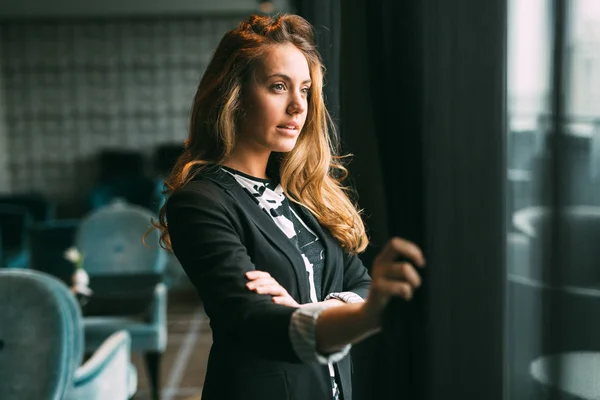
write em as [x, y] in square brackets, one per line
[41, 345]
[126, 278]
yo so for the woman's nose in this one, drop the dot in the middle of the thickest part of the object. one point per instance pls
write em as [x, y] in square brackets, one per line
[297, 105]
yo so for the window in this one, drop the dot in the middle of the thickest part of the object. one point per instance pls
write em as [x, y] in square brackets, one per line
[553, 230]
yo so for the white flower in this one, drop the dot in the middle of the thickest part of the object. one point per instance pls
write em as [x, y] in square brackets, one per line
[81, 278]
[73, 255]
[83, 290]
[81, 281]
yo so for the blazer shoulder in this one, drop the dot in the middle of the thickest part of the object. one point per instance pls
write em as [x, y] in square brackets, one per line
[199, 192]
[203, 185]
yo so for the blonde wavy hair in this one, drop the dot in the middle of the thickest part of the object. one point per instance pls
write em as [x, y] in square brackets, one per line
[312, 173]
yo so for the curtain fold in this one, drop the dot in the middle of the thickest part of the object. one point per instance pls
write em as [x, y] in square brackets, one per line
[381, 94]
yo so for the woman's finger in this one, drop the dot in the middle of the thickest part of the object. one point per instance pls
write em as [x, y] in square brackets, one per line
[395, 288]
[256, 274]
[404, 271]
[261, 282]
[397, 247]
[286, 301]
[273, 290]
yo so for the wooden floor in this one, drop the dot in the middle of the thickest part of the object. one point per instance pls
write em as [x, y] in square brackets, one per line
[184, 362]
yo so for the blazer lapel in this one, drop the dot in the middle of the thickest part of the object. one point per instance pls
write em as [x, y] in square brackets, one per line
[266, 226]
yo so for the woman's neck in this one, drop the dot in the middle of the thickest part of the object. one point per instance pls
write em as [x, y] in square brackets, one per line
[253, 166]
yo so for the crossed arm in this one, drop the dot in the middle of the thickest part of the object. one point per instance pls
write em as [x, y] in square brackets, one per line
[341, 323]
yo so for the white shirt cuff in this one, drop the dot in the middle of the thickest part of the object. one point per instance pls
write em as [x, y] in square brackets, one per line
[303, 335]
[346, 297]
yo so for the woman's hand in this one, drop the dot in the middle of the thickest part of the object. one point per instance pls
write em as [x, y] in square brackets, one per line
[263, 283]
[390, 277]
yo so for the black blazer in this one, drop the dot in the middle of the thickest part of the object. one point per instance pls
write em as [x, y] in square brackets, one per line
[218, 233]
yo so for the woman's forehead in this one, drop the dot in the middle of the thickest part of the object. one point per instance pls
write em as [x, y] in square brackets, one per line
[286, 61]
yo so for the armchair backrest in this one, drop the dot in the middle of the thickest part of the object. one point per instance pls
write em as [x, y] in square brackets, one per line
[110, 239]
[41, 337]
[580, 230]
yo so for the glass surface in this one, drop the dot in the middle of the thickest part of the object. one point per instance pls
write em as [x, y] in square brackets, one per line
[575, 297]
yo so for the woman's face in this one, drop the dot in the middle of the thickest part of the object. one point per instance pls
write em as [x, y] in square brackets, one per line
[275, 102]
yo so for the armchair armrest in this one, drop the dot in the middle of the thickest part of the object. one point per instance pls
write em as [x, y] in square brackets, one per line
[158, 313]
[108, 373]
[158, 309]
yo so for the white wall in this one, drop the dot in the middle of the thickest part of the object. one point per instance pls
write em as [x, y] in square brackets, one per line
[77, 8]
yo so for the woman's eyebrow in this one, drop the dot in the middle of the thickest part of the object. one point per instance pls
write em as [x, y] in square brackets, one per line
[284, 76]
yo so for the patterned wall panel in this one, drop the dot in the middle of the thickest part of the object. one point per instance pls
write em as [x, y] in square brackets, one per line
[73, 88]
[4, 177]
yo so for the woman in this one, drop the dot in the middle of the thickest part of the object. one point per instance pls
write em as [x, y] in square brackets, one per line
[260, 222]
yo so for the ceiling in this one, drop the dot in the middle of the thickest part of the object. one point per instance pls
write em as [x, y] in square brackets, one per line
[10, 9]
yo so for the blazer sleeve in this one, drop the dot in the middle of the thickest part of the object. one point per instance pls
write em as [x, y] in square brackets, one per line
[356, 276]
[208, 246]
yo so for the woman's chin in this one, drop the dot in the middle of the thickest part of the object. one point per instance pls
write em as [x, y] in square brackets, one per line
[284, 146]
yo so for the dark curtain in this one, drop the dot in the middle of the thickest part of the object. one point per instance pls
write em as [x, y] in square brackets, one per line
[422, 107]
[381, 123]
[324, 15]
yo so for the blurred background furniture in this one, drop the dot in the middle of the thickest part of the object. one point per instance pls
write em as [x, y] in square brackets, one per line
[579, 375]
[575, 303]
[164, 159]
[14, 223]
[41, 338]
[48, 242]
[18, 212]
[581, 231]
[121, 175]
[36, 204]
[126, 279]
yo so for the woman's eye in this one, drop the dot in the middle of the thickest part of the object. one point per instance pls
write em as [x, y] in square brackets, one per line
[278, 87]
[306, 91]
